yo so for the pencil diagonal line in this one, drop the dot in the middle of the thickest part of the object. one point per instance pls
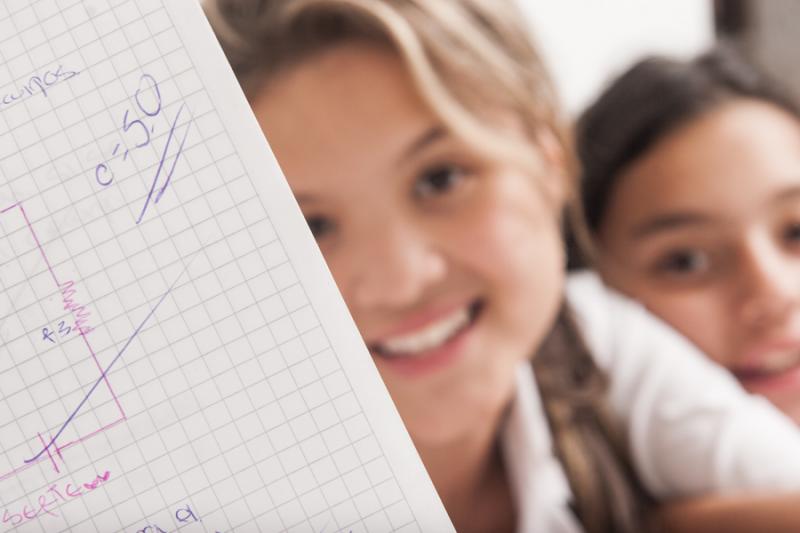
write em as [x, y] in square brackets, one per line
[164, 155]
[105, 372]
[174, 162]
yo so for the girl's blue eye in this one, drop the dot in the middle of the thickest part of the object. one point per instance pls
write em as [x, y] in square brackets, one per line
[438, 180]
[319, 226]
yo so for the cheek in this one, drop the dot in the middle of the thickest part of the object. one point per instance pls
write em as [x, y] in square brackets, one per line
[701, 316]
[517, 250]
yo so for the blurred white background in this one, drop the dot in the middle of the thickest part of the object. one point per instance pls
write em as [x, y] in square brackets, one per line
[587, 42]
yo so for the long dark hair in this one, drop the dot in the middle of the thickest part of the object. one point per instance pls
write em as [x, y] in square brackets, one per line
[646, 103]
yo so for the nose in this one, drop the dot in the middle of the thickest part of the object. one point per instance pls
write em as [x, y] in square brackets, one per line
[397, 265]
[770, 283]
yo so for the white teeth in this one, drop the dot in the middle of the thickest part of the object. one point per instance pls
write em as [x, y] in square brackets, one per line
[432, 336]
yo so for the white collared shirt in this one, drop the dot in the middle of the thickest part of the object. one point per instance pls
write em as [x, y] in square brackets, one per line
[691, 429]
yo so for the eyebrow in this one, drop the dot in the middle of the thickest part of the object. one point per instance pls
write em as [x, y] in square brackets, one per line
[789, 193]
[682, 219]
[424, 140]
[670, 222]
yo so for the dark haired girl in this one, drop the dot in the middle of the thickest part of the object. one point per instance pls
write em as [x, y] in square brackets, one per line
[691, 187]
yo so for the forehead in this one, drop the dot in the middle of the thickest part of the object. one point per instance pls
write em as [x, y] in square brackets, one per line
[733, 158]
[352, 106]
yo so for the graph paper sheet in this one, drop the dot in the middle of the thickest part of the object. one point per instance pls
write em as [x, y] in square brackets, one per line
[175, 355]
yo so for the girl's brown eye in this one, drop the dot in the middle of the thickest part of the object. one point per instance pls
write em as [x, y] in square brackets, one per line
[684, 262]
[438, 180]
[319, 226]
[792, 233]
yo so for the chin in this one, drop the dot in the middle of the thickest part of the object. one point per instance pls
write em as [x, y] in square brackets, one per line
[438, 432]
[454, 414]
[791, 408]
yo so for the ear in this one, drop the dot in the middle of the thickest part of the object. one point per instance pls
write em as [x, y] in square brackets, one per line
[556, 161]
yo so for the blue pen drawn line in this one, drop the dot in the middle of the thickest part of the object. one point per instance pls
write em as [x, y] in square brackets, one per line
[108, 368]
[163, 160]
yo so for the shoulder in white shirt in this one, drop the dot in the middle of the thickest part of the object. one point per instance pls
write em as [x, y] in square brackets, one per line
[691, 428]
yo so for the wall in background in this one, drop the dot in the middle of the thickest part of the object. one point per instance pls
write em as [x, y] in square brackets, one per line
[768, 36]
[587, 42]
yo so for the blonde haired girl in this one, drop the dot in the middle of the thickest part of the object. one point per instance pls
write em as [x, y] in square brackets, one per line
[423, 142]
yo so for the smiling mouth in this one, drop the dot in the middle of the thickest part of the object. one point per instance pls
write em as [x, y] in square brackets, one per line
[431, 337]
[769, 368]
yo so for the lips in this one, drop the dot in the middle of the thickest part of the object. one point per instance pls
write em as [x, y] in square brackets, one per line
[429, 336]
[432, 336]
[429, 343]
[770, 368]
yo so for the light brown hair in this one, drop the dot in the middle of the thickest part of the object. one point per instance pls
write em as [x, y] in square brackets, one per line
[466, 58]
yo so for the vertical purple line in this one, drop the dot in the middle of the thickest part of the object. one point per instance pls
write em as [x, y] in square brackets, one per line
[58, 447]
[58, 285]
[58, 452]
[39, 245]
[55, 466]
